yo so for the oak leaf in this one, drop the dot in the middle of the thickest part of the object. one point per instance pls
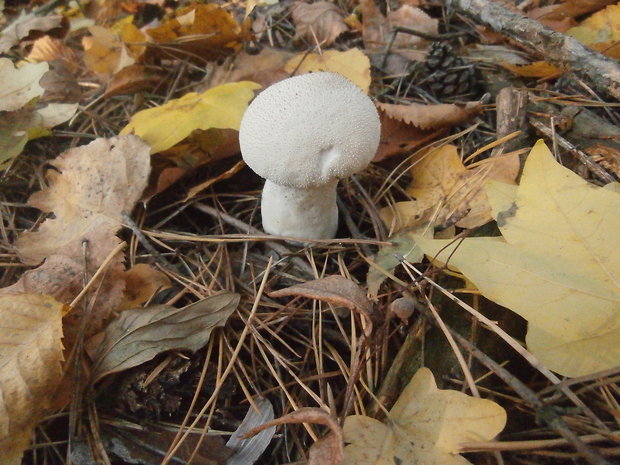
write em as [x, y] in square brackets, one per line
[556, 264]
[425, 427]
[30, 358]
[219, 107]
[352, 64]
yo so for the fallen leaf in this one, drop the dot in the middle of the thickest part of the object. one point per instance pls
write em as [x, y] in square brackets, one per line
[556, 265]
[131, 79]
[14, 127]
[432, 116]
[538, 69]
[445, 191]
[399, 138]
[209, 182]
[325, 451]
[320, 22]
[220, 107]
[561, 16]
[205, 31]
[601, 31]
[264, 68]
[139, 334]
[607, 156]
[30, 358]
[336, 290]
[105, 53]
[89, 189]
[425, 426]
[377, 34]
[248, 451]
[49, 49]
[19, 85]
[24, 25]
[352, 64]
[60, 84]
[142, 281]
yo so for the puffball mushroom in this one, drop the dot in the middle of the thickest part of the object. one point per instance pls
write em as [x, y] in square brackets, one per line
[302, 135]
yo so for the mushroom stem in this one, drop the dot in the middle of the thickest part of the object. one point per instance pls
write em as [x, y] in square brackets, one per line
[308, 212]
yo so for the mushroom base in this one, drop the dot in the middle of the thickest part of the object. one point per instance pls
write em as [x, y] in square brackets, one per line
[308, 213]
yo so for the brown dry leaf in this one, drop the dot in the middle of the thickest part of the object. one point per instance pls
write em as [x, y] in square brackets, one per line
[398, 137]
[60, 83]
[131, 79]
[205, 31]
[265, 68]
[93, 184]
[142, 281]
[538, 69]
[139, 334]
[426, 426]
[352, 64]
[377, 33]
[326, 451]
[446, 191]
[336, 290]
[24, 25]
[49, 49]
[561, 16]
[320, 22]
[432, 116]
[229, 173]
[87, 192]
[607, 156]
[105, 54]
[30, 358]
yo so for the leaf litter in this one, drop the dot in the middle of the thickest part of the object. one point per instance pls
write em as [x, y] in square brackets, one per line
[106, 246]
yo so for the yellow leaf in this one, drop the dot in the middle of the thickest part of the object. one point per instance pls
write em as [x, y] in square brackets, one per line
[219, 107]
[558, 264]
[445, 190]
[30, 357]
[352, 64]
[538, 69]
[425, 426]
[601, 31]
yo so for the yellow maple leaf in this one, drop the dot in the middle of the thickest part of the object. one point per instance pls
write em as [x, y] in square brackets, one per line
[219, 107]
[352, 64]
[426, 426]
[30, 356]
[557, 265]
[443, 189]
[601, 31]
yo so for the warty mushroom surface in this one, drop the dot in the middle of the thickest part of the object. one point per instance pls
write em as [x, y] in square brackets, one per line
[302, 135]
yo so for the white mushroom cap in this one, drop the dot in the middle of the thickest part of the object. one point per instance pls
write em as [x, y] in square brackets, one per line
[307, 130]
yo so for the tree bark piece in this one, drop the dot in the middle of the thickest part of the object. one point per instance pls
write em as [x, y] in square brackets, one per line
[558, 48]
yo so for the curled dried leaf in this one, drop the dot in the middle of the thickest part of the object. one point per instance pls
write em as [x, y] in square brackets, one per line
[336, 290]
[432, 116]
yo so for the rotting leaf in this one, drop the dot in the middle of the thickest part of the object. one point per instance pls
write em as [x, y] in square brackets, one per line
[557, 265]
[336, 290]
[326, 451]
[142, 281]
[138, 335]
[30, 358]
[425, 426]
[352, 64]
[219, 107]
[320, 21]
[89, 189]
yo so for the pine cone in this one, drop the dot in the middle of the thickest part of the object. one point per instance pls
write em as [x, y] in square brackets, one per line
[448, 75]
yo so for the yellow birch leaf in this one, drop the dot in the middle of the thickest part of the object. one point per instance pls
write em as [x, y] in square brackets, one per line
[352, 64]
[425, 426]
[557, 265]
[219, 107]
[30, 357]
[601, 31]
[538, 69]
